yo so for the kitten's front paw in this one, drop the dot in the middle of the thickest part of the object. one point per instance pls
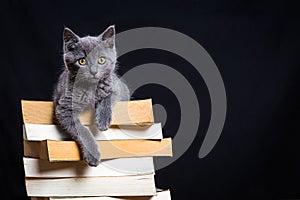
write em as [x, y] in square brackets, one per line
[104, 90]
[92, 158]
[104, 123]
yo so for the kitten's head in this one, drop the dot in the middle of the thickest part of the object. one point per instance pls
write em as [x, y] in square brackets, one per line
[90, 58]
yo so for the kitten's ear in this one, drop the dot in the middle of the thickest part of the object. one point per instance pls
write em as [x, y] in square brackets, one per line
[108, 36]
[70, 38]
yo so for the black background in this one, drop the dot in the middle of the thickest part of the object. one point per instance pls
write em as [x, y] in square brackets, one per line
[255, 45]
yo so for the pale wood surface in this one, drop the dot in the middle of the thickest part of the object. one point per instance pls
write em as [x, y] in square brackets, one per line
[164, 195]
[39, 168]
[137, 112]
[139, 185]
[69, 151]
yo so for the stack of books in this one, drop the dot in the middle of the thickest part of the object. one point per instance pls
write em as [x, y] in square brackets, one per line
[54, 168]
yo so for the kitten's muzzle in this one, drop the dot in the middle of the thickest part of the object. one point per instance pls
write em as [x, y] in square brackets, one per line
[93, 71]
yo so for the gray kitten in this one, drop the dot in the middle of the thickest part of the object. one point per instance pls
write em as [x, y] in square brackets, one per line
[88, 81]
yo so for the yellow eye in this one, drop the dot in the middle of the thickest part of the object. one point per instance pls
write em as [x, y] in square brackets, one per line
[101, 60]
[82, 61]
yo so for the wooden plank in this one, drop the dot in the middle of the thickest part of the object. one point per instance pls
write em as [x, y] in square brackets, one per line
[69, 151]
[137, 112]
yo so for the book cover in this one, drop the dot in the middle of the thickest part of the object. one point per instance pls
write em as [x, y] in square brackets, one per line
[137, 112]
[69, 151]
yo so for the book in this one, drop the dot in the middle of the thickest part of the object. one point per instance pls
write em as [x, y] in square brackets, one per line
[37, 132]
[38, 168]
[137, 112]
[163, 195]
[136, 185]
[68, 150]
[54, 168]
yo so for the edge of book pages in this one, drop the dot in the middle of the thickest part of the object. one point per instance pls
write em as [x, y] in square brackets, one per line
[163, 195]
[135, 185]
[38, 168]
[134, 112]
[38, 132]
[53, 150]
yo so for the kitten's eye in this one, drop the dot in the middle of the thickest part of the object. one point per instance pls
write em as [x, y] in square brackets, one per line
[82, 61]
[101, 60]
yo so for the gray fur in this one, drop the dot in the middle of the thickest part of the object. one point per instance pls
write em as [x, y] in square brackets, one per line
[93, 85]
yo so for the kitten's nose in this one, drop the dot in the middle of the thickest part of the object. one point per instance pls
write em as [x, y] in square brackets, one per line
[93, 70]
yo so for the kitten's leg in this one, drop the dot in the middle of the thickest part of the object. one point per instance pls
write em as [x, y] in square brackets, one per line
[70, 122]
[104, 113]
